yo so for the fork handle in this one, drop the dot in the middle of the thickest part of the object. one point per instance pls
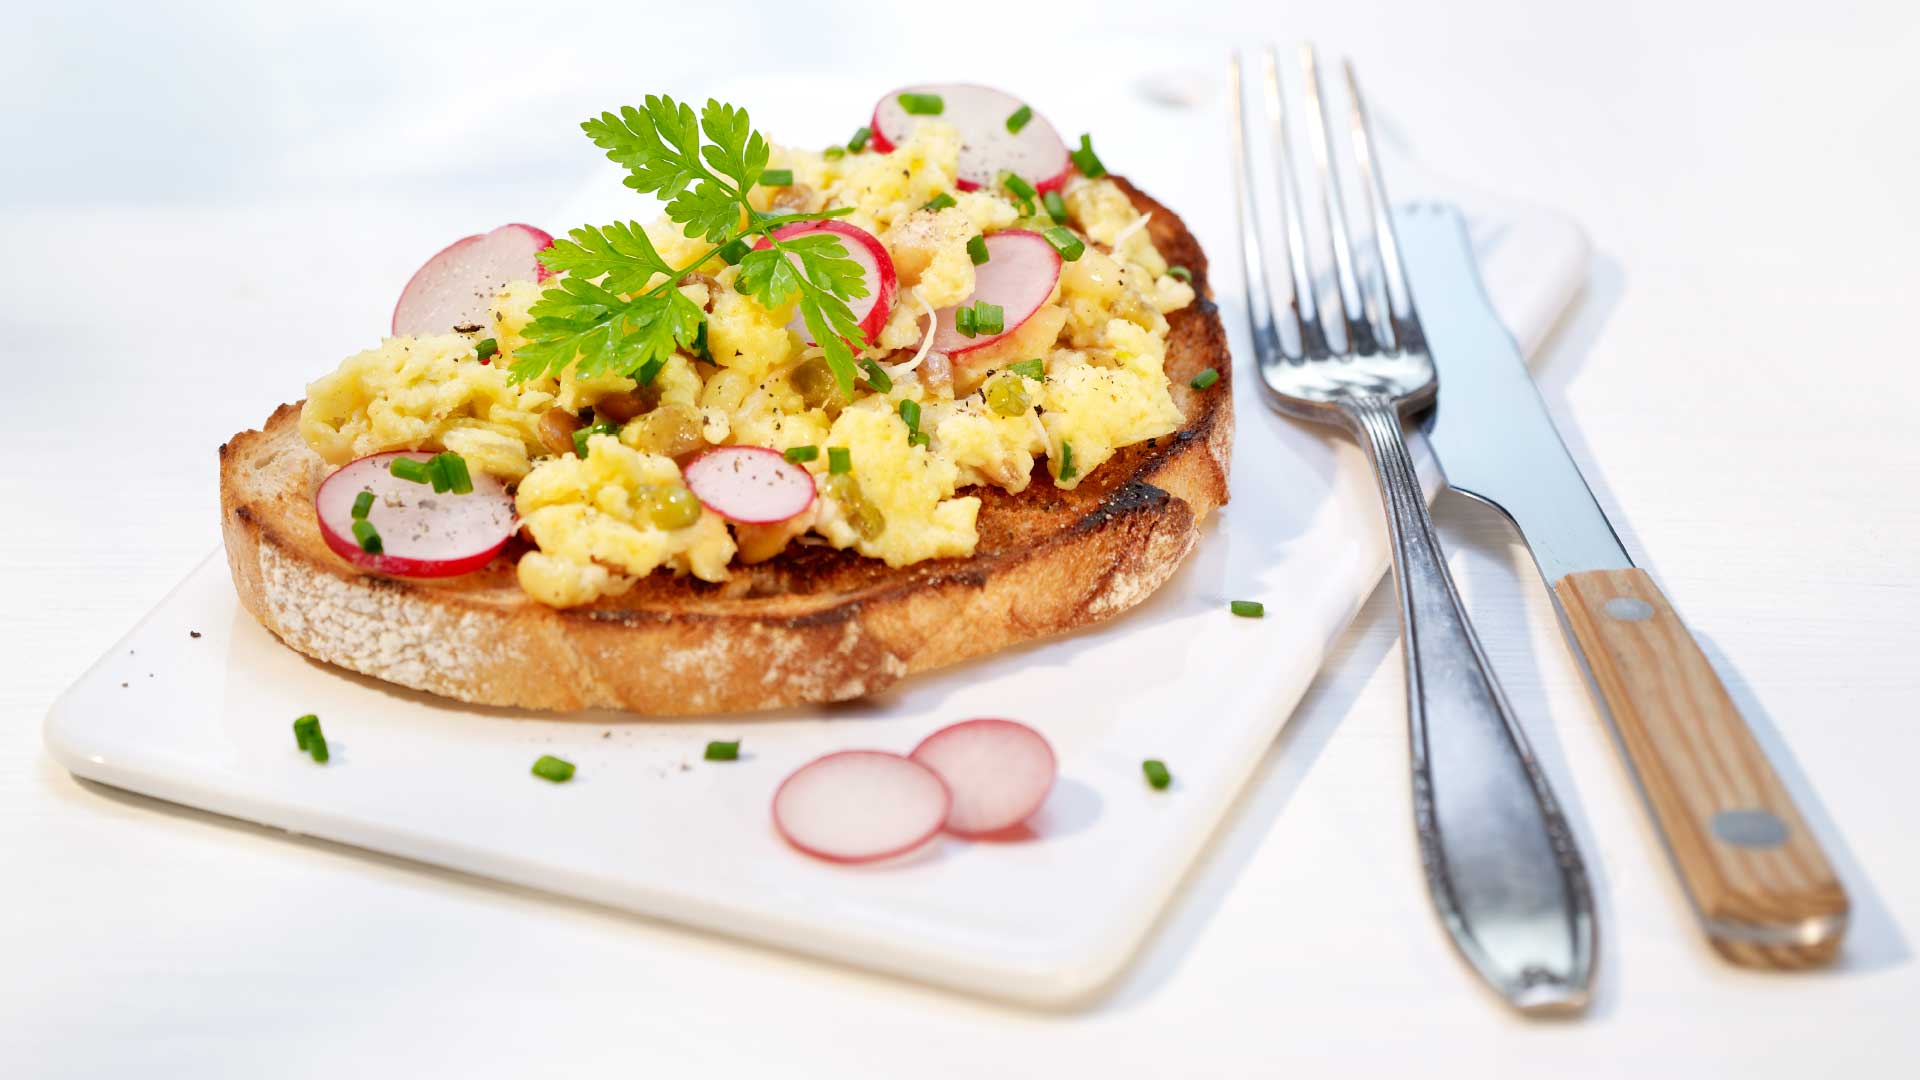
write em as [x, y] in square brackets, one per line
[1755, 872]
[1500, 861]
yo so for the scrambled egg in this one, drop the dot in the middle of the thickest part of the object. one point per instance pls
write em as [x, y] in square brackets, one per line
[607, 519]
[603, 521]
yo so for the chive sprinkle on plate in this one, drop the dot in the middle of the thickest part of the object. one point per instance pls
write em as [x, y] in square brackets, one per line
[723, 751]
[308, 737]
[1156, 772]
[1248, 609]
[553, 768]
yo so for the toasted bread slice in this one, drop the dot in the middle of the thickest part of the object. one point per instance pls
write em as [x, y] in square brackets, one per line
[814, 624]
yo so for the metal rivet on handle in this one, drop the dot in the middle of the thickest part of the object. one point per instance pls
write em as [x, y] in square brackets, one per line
[1749, 828]
[1628, 609]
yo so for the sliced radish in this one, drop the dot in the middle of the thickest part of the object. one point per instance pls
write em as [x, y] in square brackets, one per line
[860, 805]
[1019, 275]
[423, 534]
[1035, 153]
[870, 311]
[750, 484]
[999, 772]
[456, 287]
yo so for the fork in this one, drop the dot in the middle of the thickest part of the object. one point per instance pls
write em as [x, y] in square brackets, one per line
[1500, 860]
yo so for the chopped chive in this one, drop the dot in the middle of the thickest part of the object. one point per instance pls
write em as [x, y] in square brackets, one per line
[1019, 119]
[1248, 609]
[1035, 368]
[368, 536]
[454, 468]
[1056, 207]
[304, 729]
[700, 352]
[553, 768]
[859, 140]
[1017, 184]
[437, 473]
[963, 321]
[798, 454]
[776, 178]
[1205, 379]
[938, 202]
[487, 349]
[834, 153]
[1180, 272]
[362, 503]
[1087, 161]
[1068, 245]
[839, 460]
[877, 376]
[652, 368]
[922, 104]
[919, 438]
[988, 318]
[407, 468]
[723, 751]
[580, 437]
[910, 412]
[977, 250]
[1068, 470]
[1157, 775]
[734, 251]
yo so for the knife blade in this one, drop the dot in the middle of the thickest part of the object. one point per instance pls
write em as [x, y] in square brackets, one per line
[1762, 889]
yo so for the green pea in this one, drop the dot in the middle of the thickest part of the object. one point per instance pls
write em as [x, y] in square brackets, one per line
[866, 518]
[1007, 395]
[813, 380]
[670, 506]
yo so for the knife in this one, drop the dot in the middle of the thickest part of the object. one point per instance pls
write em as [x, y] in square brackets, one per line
[1758, 881]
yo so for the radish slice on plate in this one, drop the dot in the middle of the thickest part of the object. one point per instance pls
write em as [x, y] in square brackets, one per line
[870, 311]
[1019, 275]
[860, 805]
[750, 484]
[423, 534]
[457, 286]
[1035, 153]
[999, 772]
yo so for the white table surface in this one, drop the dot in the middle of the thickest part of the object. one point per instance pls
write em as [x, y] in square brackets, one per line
[1737, 384]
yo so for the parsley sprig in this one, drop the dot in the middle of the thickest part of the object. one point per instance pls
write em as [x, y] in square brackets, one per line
[607, 313]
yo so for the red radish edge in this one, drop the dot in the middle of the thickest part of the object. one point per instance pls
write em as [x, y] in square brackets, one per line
[367, 472]
[791, 822]
[999, 771]
[769, 489]
[880, 292]
[948, 340]
[542, 241]
[876, 139]
[879, 141]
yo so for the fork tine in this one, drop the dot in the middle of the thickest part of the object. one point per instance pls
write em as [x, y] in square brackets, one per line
[1253, 253]
[1306, 301]
[1360, 336]
[1404, 323]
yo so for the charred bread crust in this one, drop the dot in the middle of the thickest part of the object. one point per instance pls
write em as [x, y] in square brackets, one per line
[813, 625]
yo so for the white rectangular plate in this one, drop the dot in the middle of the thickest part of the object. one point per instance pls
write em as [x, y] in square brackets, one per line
[647, 826]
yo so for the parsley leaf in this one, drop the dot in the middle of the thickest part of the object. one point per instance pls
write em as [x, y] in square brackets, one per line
[608, 314]
[620, 255]
[634, 140]
[817, 268]
[598, 332]
[737, 151]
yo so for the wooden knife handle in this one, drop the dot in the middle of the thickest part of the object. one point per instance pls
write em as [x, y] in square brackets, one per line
[1755, 871]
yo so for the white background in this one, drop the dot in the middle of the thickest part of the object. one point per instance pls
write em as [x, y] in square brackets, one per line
[203, 208]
